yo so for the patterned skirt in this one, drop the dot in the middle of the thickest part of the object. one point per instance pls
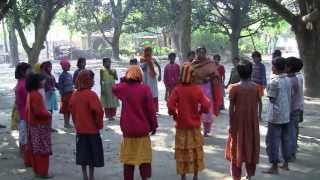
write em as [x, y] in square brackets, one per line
[39, 139]
[136, 151]
[189, 153]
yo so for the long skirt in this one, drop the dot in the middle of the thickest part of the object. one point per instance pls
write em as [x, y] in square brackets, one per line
[136, 151]
[207, 118]
[40, 165]
[189, 153]
[39, 148]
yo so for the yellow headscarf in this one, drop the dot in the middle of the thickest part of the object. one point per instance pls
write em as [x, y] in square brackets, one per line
[37, 68]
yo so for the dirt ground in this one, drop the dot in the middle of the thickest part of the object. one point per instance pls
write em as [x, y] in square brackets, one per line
[62, 162]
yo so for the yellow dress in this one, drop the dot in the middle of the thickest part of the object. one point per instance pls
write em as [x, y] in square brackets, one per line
[136, 151]
[189, 151]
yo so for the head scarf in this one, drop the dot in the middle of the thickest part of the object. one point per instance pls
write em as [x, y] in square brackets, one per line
[147, 58]
[186, 74]
[85, 80]
[65, 64]
[134, 73]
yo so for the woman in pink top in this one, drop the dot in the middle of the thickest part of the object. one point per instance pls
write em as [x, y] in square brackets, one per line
[138, 120]
[21, 72]
[171, 74]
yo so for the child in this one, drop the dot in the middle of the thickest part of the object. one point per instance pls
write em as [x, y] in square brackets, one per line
[171, 74]
[234, 76]
[138, 120]
[39, 126]
[279, 93]
[81, 64]
[108, 77]
[294, 66]
[186, 103]
[87, 113]
[133, 61]
[51, 99]
[66, 89]
[22, 70]
[259, 76]
[243, 145]
[222, 76]
[190, 56]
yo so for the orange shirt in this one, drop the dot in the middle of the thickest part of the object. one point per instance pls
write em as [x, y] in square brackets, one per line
[186, 104]
[87, 112]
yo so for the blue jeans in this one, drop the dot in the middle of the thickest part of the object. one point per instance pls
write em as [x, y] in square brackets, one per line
[293, 131]
[278, 134]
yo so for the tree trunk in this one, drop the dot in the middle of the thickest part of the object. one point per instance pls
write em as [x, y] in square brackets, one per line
[185, 36]
[234, 45]
[116, 43]
[182, 29]
[235, 29]
[5, 42]
[309, 45]
[13, 44]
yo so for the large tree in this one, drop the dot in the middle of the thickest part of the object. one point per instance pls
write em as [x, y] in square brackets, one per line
[172, 18]
[40, 14]
[304, 17]
[101, 16]
[5, 6]
[237, 18]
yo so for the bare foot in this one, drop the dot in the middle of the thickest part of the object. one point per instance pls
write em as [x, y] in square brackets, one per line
[271, 170]
[285, 167]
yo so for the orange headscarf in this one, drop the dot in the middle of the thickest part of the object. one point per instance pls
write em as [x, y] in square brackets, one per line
[147, 58]
[85, 80]
[134, 73]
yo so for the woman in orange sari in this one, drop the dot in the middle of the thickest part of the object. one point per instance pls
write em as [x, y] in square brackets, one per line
[206, 75]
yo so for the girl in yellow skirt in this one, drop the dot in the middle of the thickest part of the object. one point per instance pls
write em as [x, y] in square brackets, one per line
[186, 103]
[138, 120]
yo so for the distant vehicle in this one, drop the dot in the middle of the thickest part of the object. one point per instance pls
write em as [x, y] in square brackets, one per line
[62, 52]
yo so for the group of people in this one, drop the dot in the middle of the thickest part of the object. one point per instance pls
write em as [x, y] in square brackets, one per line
[194, 95]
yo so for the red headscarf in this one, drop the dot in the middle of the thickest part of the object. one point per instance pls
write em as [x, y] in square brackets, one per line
[147, 58]
[85, 80]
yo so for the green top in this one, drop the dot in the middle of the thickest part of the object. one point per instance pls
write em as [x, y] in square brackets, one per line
[234, 76]
[107, 80]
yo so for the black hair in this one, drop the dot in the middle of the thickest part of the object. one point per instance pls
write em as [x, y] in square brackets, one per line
[21, 69]
[276, 53]
[217, 57]
[201, 48]
[172, 55]
[80, 60]
[191, 53]
[104, 60]
[279, 64]
[244, 69]
[236, 58]
[295, 64]
[256, 54]
[133, 61]
[33, 82]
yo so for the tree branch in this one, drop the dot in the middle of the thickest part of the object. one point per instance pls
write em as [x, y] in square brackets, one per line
[100, 28]
[253, 33]
[6, 8]
[281, 10]
[312, 16]
[19, 28]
